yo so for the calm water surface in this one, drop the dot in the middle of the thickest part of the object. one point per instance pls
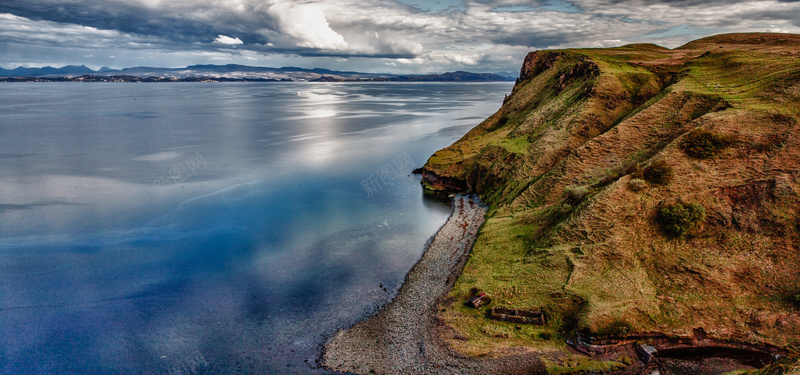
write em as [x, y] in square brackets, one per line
[210, 228]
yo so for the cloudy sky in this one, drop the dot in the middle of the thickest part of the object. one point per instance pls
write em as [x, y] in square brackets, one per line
[397, 36]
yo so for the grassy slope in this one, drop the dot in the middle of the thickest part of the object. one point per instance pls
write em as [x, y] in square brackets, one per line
[588, 118]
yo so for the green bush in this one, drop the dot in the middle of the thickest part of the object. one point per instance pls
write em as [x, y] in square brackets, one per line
[703, 144]
[679, 218]
[658, 172]
[575, 193]
[561, 212]
[617, 328]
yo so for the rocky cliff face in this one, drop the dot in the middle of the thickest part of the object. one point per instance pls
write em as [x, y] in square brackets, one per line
[587, 167]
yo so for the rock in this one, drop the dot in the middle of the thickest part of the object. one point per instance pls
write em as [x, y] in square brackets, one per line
[646, 352]
[479, 300]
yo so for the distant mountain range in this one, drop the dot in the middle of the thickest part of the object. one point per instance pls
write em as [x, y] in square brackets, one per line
[236, 72]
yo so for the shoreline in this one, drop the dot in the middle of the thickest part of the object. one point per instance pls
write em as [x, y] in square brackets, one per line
[402, 337]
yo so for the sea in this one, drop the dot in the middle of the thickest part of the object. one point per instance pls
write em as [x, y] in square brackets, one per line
[211, 228]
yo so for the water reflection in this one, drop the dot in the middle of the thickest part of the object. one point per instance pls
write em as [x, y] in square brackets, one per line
[249, 261]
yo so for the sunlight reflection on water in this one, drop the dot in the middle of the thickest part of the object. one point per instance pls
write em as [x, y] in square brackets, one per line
[248, 259]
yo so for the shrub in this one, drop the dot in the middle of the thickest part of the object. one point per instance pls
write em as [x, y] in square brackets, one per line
[634, 169]
[658, 172]
[545, 335]
[679, 218]
[617, 328]
[562, 211]
[572, 309]
[575, 193]
[792, 298]
[703, 144]
[636, 184]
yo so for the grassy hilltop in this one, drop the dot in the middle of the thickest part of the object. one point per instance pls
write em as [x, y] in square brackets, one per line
[637, 189]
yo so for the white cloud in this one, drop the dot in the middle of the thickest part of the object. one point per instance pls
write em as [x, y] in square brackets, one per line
[416, 60]
[212, 55]
[159, 156]
[223, 39]
[16, 29]
[466, 60]
[307, 23]
[375, 34]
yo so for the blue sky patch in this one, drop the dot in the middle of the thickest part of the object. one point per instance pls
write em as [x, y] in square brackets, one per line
[434, 6]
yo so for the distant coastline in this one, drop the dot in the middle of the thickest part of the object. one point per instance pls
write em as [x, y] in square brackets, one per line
[122, 79]
[134, 79]
[229, 73]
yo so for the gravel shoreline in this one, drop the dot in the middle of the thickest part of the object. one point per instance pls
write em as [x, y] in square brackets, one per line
[401, 338]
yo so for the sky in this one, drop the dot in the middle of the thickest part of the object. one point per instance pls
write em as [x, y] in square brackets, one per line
[377, 36]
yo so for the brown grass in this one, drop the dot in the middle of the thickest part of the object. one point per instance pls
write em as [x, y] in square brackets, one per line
[602, 259]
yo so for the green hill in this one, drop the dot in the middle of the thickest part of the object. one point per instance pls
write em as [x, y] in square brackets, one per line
[636, 189]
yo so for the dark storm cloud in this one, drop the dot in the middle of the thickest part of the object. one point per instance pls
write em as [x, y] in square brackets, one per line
[278, 27]
[128, 18]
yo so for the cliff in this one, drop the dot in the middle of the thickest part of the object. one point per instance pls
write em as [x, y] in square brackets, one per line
[636, 189]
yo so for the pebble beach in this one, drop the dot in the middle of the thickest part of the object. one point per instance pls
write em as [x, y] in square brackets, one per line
[401, 338]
